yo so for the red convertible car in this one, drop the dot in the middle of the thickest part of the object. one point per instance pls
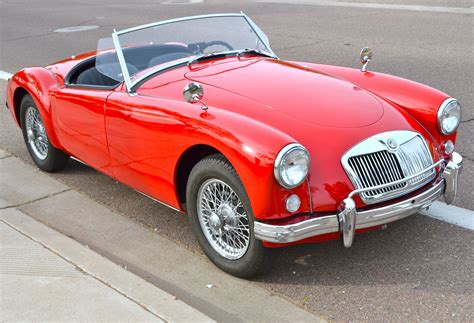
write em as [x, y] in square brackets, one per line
[200, 114]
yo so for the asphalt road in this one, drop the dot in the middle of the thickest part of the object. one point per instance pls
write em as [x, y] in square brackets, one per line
[418, 268]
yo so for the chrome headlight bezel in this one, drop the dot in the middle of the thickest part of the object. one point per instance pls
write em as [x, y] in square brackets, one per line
[441, 115]
[277, 169]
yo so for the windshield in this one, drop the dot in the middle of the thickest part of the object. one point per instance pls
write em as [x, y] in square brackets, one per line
[160, 45]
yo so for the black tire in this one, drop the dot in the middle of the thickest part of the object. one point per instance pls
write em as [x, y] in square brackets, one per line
[55, 159]
[257, 258]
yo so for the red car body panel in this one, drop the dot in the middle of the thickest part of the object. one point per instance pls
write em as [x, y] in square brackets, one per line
[79, 124]
[39, 83]
[419, 100]
[158, 131]
[256, 107]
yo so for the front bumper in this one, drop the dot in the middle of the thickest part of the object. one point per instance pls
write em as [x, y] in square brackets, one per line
[348, 219]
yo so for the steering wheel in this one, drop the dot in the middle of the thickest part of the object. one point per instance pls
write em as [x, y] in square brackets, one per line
[216, 43]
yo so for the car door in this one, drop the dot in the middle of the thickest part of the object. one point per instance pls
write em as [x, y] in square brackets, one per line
[80, 124]
[146, 135]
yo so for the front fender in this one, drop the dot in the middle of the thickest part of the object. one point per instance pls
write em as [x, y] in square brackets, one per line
[251, 148]
[38, 82]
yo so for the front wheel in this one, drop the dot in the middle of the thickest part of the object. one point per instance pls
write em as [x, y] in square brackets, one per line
[222, 218]
[44, 154]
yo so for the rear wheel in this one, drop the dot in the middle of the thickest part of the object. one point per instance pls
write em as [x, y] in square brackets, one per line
[44, 154]
[222, 218]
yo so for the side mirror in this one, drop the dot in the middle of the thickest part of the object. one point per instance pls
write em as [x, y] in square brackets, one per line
[365, 58]
[193, 93]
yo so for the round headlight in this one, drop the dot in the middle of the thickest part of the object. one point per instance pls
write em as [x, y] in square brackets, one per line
[449, 116]
[292, 165]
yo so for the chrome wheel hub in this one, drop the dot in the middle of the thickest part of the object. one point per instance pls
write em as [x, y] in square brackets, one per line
[215, 222]
[36, 134]
[31, 134]
[223, 219]
[228, 215]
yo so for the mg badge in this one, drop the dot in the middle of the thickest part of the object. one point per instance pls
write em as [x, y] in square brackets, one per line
[392, 144]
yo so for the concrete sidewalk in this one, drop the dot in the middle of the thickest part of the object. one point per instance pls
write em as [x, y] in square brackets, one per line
[46, 276]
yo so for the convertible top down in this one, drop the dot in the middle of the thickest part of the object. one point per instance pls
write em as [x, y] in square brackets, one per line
[200, 114]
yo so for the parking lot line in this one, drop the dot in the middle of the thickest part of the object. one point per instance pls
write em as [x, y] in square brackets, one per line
[5, 75]
[376, 6]
[451, 214]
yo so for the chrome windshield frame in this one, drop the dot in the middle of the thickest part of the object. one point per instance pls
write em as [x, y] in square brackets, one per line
[123, 66]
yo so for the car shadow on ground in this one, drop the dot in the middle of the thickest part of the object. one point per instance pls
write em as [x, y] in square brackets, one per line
[417, 250]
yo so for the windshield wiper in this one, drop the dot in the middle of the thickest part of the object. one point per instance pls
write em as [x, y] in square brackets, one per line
[207, 56]
[228, 53]
[255, 51]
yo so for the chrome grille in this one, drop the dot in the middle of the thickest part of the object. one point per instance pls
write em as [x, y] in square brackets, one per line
[376, 169]
[372, 163]
[414, 157]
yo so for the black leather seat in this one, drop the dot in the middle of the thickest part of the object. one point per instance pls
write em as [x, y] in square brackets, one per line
[92, 76]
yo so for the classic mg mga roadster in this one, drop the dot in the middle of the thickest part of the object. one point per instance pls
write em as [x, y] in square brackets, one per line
[199, 114]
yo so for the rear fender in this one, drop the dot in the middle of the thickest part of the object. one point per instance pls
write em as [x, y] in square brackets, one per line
[39, 83]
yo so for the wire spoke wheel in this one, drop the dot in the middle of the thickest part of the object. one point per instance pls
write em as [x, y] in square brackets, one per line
[36, 134]
[223, 219]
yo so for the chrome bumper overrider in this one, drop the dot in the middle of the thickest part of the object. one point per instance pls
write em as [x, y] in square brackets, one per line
[348, 219]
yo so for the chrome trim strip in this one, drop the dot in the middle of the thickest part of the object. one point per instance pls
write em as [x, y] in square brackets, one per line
[158, 201]
[123, 65]
[259, 35]
[169, 21]
[309, 195]
[161, 68]
[126, 75]
[79, 161]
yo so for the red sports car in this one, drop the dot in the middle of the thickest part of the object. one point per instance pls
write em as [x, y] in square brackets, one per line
[274, 153]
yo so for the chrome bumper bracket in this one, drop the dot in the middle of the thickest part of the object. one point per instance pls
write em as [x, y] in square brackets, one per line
[347, 219]
[451, 173]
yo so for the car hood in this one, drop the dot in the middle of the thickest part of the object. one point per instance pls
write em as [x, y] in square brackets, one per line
[299, 93]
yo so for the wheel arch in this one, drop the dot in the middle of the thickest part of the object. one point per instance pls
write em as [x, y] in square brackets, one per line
[186, 162]
[37, 82]
[250, 155]
[18, 96]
